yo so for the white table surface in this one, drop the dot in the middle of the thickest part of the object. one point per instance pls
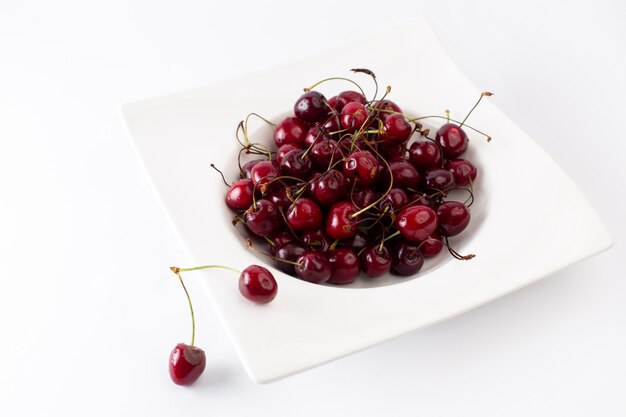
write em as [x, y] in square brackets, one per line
[89, 310]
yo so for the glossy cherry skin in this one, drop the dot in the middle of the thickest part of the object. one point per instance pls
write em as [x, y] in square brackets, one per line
[439, 179]
[304, 214]
[422, 200]
[353, 116]
[324, 152]
[290, 130]
[394, 200]
[357, 243]
[339, 222]
[392, 151]
[396, 129]
[186, 364]
[239, 195]
[416, 223]
[257, 284]
[281, 239]
[376, 262]
[407, 258]
[431, 246]
[310, 107]
[264, 220]
[404, 175]
[290, 252]
[345, 97]
[364, 198]
[386, 106]
[314, 135]
[425, 154]
[283, 150]
[263, 173]
[316, 240]
[453, 218]
[329, 188]
[279, 197]
[345, 266]
[247, 168]
[332, 124]
[314, 267]
[362, 167]
[462, 169]
[296, 163]
[452, 139]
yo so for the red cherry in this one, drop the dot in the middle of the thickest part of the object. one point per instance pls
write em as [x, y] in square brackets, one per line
[453, 140]
[263, 172]
[345, 266]
[361, 166]
[346, 97]
[392, 151]
[279, 197]
[289, 252]
[313, 267]
[439, 179]
[314, 135]
[396, 129]
[404, 176]
[304, 215]
[296, 163]
[395, 199]
[462, 169]
[316, 240]
[264, 220]
[257, 284]
[239, 195]
[453, 218]
[290, 130]
[247, 168]
[364, 198]
[186, 364]
[385, 107]
[376, 261]
[283, 150]
[416, 223]
[329, 188]
[424, 155]
[431, 246]
[407, 258]
[357, 243]
[310, 107]
[324, 152]
[353, 116]
[339, 223]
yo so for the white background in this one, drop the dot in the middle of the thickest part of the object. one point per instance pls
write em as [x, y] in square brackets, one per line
[89, 310]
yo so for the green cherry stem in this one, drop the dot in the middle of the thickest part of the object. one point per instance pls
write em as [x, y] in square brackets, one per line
[193, 317]
[197, 268]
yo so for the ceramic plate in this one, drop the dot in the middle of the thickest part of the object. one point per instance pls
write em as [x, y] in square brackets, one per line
[179, 135]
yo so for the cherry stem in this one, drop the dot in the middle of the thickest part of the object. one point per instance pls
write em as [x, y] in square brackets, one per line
[336, 78]
[253, 249]
[397, 232]
[197, 268]
[483, 94]
[456, 254]
[222, 174]
[176, 270]
[451, 120]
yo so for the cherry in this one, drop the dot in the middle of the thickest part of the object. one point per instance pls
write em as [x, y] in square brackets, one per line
[280, 197]
[313, 267]
[385, 107]
[304, 215]
[431, 246]
[439, 179]
[404, 175]
[453, 140]
[289, 252]
[422, 200]
[364, 198]
[283, 150]
[316, 240]
[416, 223]
[332, 124]
[345, 266]
[353, 116]
[314, 135]
[340, 223]
[424, 155]
[296, 164]
[357, 243]
[186, 364]
[453, 218]
[281, 239]
[346, 97]
[395, 199]
[263, 172]
[310, 107]
[361, 166]
[463, 170]
[396, 129]
[290, 130]
[247, 168]
[257, 284]
[264, 220]
[329, 188]
[239, 195]
[407, 258]
[376, 261]
[324, 152]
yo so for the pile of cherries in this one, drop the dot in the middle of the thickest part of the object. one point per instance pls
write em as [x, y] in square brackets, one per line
[353, 185]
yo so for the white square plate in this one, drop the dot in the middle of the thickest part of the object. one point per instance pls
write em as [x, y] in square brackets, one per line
[529, 221]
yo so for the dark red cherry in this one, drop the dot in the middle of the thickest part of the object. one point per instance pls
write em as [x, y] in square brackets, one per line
[419, 199]
[329, 188]
[310, 107]
[279, 197]
[453, 218]
[431, 246]
[290, 252]
[239, 195]
[462, 169]
[346, 97]
[357, 243]
[424, 155]
[407, 258]
[316, 240]
[325, 152]
[264, 220]
[247, 168]
[396, 129]
[392, 152]
[304, 214]
[186, 364]
[263, 173]
[416, 223]
[386, 108]
[345, 266]
[313, 267]
[257, 284]
[332, 124]
[283, 150]
[453, 140]
[362, 167]
[339, 223]
[404, 175]
[314, 135]
[353, 116]
[296, 163]
[290, 130]
[281, 239]
[364, 198]
[439, 179]
[376, 261]
[395, 199]
[349, 144]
